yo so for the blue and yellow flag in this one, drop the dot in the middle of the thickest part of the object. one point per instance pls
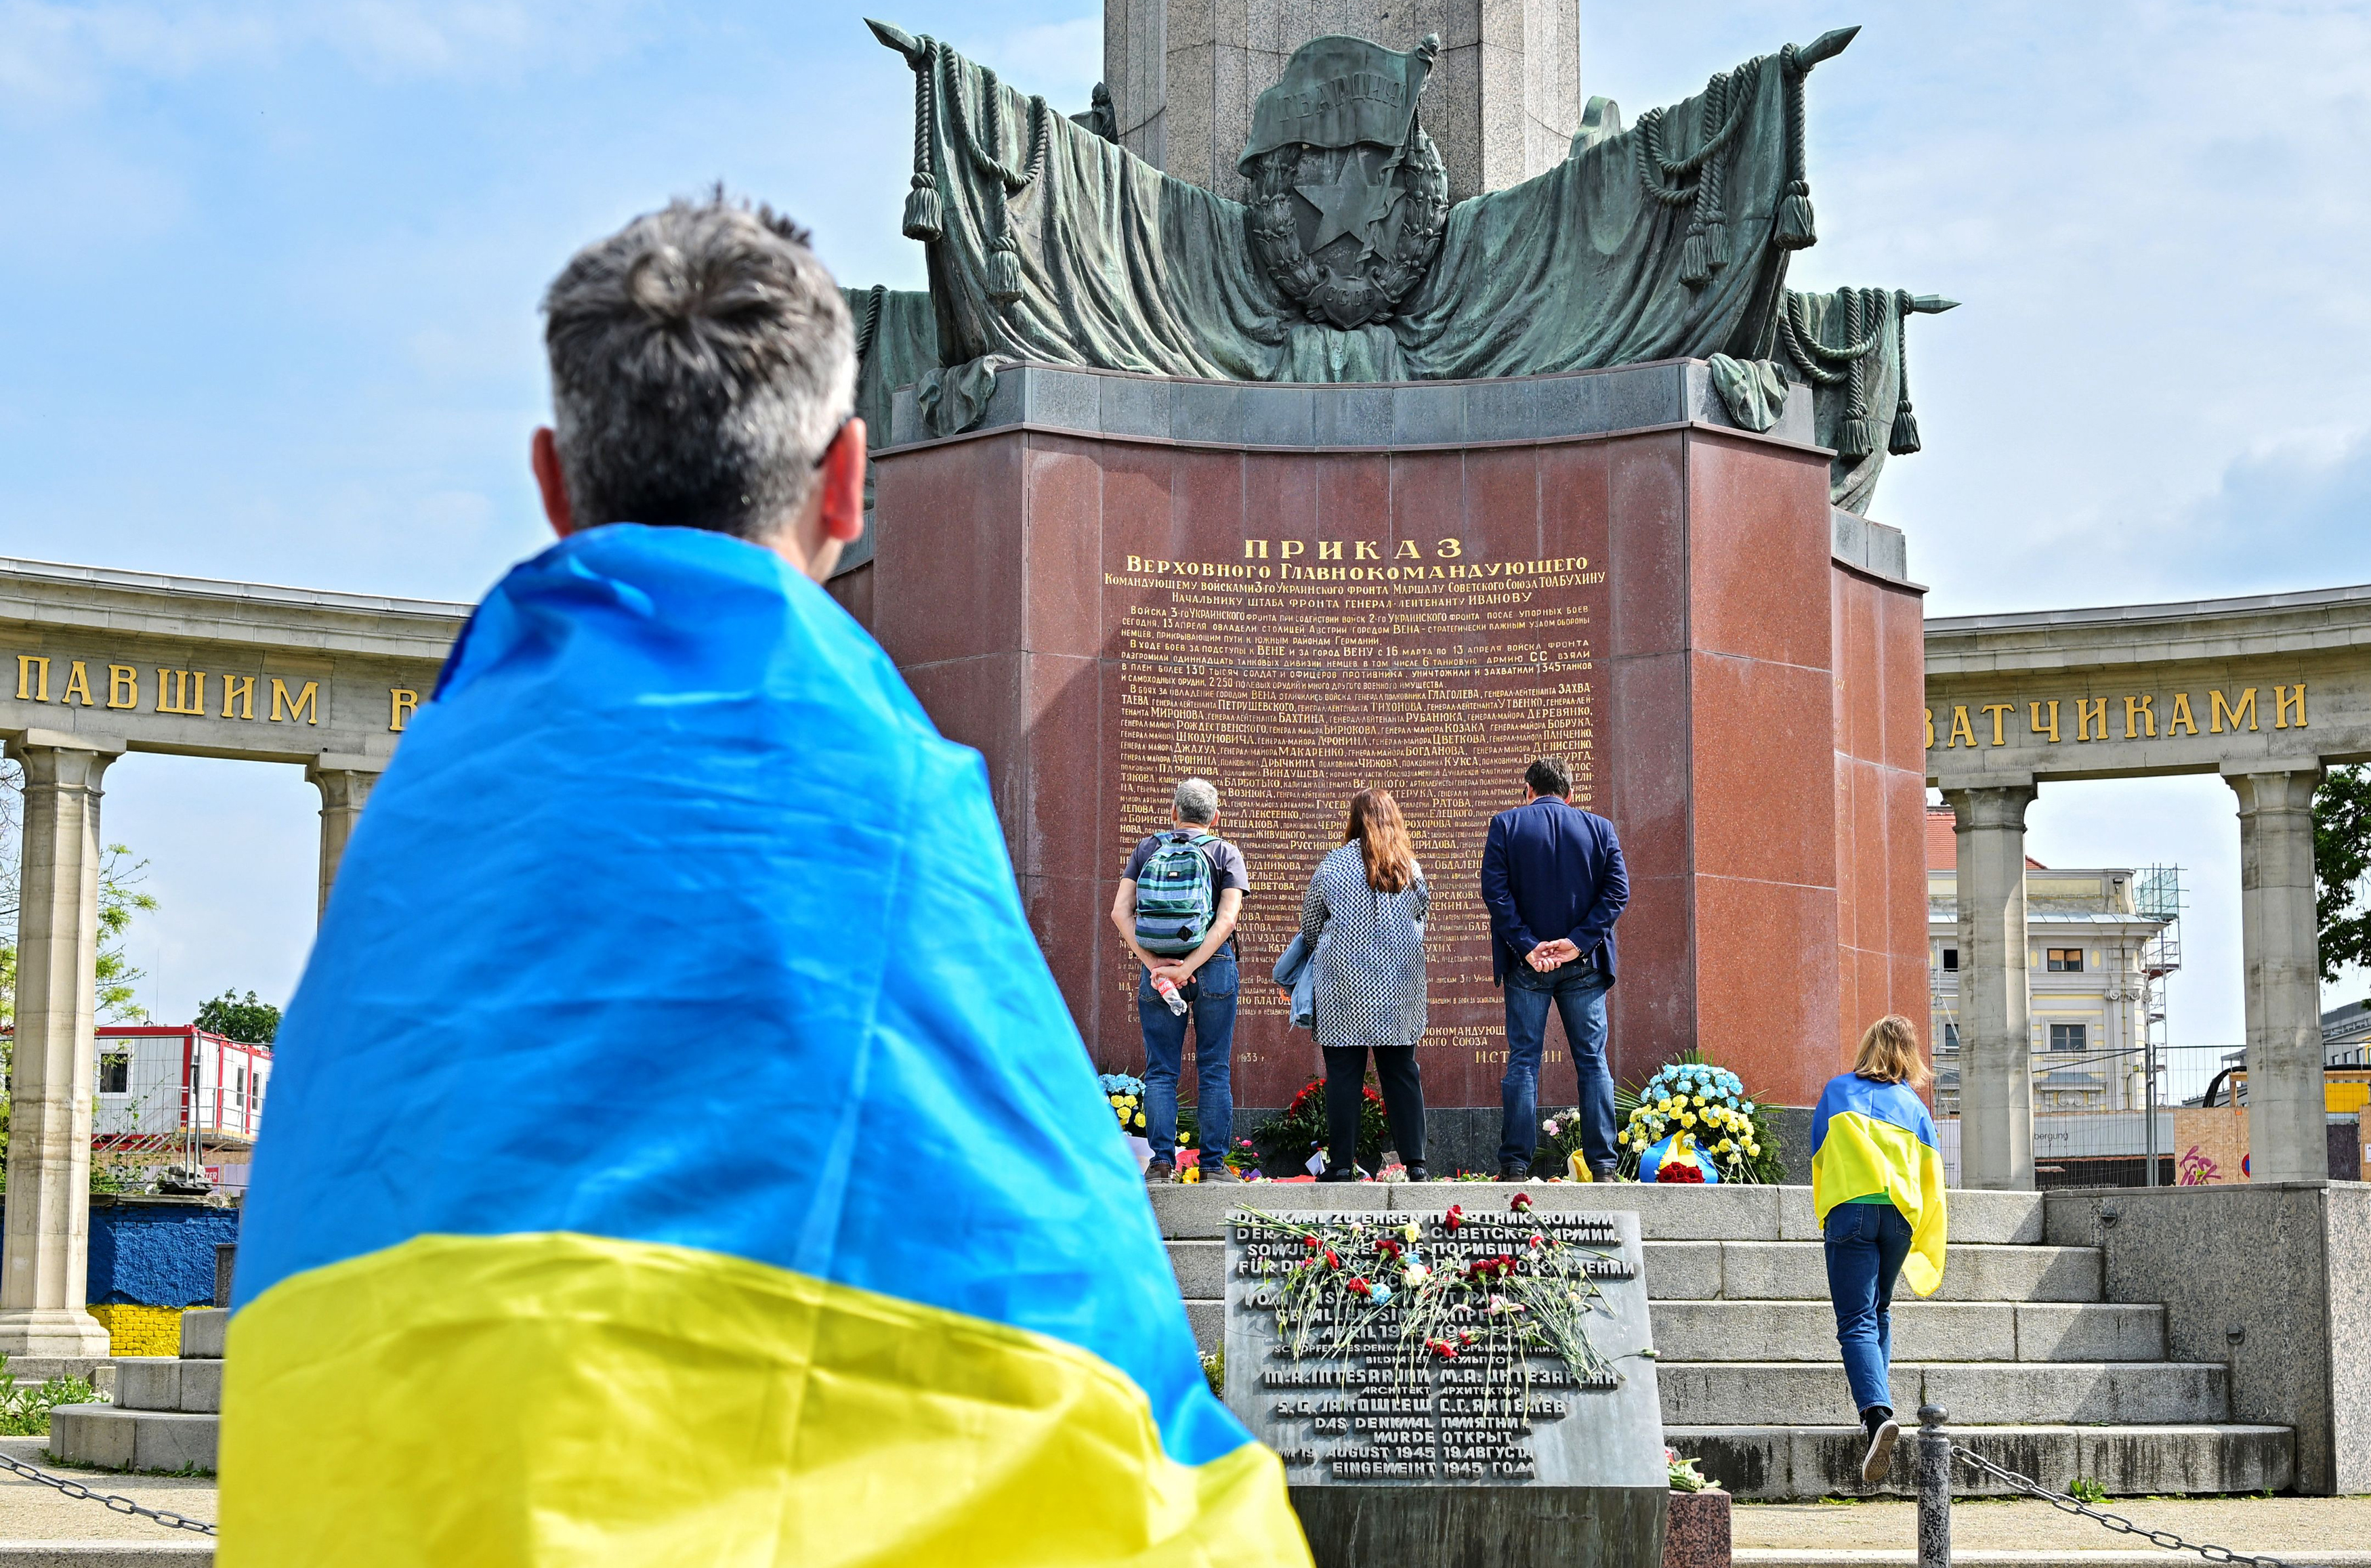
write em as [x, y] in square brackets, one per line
[681, 1154]
[1870, 1138]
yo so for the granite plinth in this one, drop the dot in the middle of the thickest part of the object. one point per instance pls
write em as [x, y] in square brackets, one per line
[1298, 591]
[1499, 1526]
[1696, 1532]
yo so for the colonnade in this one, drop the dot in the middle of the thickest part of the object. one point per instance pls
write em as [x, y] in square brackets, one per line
[2279, 943]
[44, 1253]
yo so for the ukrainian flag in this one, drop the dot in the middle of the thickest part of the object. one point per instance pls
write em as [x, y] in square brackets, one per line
[681, 1154]
[1870, 1138]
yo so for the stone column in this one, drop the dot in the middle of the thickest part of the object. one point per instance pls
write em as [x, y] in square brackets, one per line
[44, 1258]
[2280, 944]
[1995, 1004]
[344, 787]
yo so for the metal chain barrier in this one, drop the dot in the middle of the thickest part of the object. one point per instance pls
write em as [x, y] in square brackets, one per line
[115, 1504]
[1935, 1451]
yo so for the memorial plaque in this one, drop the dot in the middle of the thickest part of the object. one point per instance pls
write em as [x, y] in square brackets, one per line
[1456, 1377]
[1304, 670]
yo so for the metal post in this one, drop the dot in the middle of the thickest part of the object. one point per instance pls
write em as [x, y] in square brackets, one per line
[2148, 1061]
[1934, 1488]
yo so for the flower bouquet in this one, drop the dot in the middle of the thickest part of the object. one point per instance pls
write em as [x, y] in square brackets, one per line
[1126, 1092]
[1693, 1122]
[1299, 1135]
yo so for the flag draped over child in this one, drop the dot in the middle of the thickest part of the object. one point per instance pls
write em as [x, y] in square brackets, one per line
[682, 1154]
[1876, 1139]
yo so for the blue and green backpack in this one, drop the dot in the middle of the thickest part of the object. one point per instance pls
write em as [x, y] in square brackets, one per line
[1176, 896]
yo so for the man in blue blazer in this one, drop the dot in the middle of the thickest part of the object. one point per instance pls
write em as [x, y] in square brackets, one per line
[1553, 880]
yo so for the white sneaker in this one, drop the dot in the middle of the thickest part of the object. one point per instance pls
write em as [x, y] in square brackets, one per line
[1877, 1463]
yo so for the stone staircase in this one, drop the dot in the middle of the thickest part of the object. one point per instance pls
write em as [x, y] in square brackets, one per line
[2039, 1372]
[167, 1410]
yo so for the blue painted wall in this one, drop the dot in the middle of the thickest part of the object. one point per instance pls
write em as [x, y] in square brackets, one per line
[153, 1255]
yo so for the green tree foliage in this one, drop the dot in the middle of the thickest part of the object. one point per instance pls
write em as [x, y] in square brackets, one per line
[251, 1022]
[2341, 863]
[120, 899]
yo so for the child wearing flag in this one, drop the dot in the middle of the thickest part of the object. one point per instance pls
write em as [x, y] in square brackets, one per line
[1877, 1192]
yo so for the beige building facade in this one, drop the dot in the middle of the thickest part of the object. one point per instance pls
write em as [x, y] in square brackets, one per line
[2097, 961]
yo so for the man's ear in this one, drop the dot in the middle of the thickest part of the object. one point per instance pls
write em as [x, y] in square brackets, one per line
[843, 485]
[543, 456]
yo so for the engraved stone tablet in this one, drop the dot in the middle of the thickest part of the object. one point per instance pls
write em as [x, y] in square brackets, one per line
[1450, 1358]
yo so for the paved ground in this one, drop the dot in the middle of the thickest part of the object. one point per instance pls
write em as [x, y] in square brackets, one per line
[29, 1511]
[2294, 1528]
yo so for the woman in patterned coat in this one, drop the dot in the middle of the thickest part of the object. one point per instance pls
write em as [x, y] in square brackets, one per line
[1364, 918]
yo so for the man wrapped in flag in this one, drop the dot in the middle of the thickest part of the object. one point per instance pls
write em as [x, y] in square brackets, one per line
[682, 1154]
[1877, 1194]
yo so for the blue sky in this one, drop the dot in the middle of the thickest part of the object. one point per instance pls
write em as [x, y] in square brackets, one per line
[274, 270]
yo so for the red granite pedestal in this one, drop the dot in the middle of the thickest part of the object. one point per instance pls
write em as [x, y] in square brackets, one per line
[1271, 594]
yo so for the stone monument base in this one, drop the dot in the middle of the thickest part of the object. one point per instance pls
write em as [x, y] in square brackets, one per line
[1115, 582]
[52, 1331]
[1483, 1527]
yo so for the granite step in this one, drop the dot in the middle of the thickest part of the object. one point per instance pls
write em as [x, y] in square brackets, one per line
[106, 1437]
[193, 1387]
[1977, 1393]
[1798, 1271]
[1197, 1211]
[1782, 1463]
[205, 1332]
[1776, 1271]
[1923, 1331]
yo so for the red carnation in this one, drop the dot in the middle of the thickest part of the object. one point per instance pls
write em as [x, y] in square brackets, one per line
[1671, 1170]
[1333, 1261]
[1387, 1246]
[1538, 1241]
[1359, 1286]
[1455, 1218]
[1443, 1348]
[1520, 1203]
[1309, 1241]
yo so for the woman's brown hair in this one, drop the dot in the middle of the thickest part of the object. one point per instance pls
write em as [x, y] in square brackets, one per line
[1379, 829]
[1889, 1053]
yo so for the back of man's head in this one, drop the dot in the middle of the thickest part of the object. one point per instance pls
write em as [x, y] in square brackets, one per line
[701, 360]
[1547, 777]
[1197, 802]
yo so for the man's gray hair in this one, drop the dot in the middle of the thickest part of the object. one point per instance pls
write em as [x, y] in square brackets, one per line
[701, 361]
[1197, 801]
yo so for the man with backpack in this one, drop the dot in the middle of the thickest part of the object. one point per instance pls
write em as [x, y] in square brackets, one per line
[1176, 908]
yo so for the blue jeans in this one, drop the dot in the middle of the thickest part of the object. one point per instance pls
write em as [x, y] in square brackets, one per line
[1578, 993]
[1865, 1244]
[1210, 997]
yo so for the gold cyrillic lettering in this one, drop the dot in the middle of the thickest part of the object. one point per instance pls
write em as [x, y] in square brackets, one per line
[2091, 710]
[1997, 710]
[1930, 729]
[1329, 550]
[2218, 710]
[123, 682]
[1407, 552]
[78, 680]
[1363, 551]
[400, 704]
[187, 690]
[2181, 717]
[1961, 728]
[1449, 549]
[1291, 548]
[240, 689]
[2137, 711]
[2281, 707]
[1255, 550]
[32, 678]
[298, 705]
